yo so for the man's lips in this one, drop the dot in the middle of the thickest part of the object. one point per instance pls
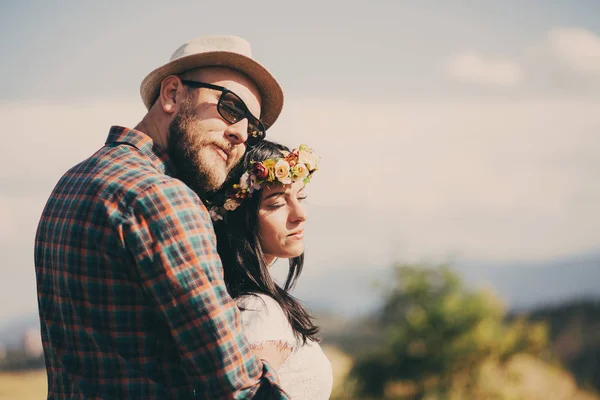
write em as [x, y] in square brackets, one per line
[222, 152]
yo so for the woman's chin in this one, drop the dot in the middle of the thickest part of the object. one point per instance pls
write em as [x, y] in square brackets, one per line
[295, 251]
[286, 252]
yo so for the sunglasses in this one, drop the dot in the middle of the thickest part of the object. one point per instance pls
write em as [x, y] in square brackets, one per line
[233, 109]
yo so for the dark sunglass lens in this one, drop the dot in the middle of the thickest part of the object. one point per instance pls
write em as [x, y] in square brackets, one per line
[232, 108]
[256, 131]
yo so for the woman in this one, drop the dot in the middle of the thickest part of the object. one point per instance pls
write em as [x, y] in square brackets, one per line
[259, 217]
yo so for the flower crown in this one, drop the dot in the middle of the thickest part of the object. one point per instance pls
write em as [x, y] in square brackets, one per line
[297, 165]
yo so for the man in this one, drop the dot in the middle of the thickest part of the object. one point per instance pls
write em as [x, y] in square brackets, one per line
[131, 297]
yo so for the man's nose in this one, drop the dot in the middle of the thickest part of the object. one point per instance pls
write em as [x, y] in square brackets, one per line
[237, 133]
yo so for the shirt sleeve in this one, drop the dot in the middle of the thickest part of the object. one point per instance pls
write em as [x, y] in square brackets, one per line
[171, 237]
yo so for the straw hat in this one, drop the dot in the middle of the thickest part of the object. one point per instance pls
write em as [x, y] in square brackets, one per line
[218, 51]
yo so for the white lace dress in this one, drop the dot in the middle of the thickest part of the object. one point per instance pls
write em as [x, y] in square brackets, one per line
[306, 374]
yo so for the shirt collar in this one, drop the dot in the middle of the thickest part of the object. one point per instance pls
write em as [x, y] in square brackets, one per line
[144, 143]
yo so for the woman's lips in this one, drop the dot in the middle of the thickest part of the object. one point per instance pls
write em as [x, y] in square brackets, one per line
[297, 235]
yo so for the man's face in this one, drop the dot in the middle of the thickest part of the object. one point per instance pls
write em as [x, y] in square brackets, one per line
[203, 146]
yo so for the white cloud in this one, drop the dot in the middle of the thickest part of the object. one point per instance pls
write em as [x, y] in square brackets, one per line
[473, 67]
[469, 171]
[497, 180]
[577, 48]
[5, 222]
[19, 215]
[481, 179]
[18, 222]
[42, 140]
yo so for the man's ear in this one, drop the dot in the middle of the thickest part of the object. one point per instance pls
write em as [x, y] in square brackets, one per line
[170, 93]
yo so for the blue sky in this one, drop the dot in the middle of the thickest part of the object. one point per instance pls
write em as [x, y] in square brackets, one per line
[386, 49]
[465, 129]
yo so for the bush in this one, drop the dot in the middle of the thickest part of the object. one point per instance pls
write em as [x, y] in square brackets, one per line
[436, 334]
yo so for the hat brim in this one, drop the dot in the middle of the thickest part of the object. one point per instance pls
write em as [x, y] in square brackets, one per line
[270, 90]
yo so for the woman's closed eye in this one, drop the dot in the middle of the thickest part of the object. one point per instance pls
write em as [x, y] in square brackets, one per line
[276, 205]
[281, 203]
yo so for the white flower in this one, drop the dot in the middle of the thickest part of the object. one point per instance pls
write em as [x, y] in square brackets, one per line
[255, 186]
[282, 172]
[306, 158]
[315, 165]
[300, 171]
[231, 204]
[214, 214]
[244, 181]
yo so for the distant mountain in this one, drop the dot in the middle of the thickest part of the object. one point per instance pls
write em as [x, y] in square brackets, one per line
[529, 285]
[350, 289]
[12, 329]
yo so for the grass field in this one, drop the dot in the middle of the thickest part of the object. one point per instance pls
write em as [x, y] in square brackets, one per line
[540, 381]
[32, 385]
[29, 385]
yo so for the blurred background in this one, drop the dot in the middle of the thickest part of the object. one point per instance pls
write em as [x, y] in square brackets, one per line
[453, 243]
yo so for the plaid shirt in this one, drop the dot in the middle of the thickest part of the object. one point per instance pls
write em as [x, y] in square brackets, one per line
[131, 295]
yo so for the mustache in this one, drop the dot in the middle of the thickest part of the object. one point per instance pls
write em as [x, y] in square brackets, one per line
[225, 145]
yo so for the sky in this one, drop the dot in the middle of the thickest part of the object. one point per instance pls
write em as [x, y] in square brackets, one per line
[448, 130]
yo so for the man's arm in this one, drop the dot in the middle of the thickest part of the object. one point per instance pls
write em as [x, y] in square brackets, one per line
[171, 237]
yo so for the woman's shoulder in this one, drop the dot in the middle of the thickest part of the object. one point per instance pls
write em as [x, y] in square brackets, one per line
[259, 307]
[263, 318]
[258, 302]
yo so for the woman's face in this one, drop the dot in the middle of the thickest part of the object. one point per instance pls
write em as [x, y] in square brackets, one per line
[281, 217]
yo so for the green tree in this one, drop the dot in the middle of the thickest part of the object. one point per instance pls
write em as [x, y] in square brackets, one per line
[437, 333]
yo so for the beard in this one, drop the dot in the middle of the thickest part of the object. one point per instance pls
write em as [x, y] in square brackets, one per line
[189, 148]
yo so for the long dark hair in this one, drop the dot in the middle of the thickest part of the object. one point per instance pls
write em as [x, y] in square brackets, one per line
[246, 271]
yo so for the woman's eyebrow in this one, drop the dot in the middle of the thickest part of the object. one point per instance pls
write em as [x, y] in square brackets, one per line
[275, 194]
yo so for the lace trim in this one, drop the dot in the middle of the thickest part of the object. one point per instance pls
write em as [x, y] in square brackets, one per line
[284, 347]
